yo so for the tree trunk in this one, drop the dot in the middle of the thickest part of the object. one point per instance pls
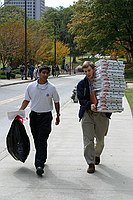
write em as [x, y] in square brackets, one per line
[74, 59]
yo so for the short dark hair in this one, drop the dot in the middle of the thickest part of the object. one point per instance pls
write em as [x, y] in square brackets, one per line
[44, 68]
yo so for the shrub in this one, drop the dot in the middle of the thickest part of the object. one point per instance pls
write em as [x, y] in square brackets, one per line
[2, 76]
[13, 75]
[2, 73]
[129, 73]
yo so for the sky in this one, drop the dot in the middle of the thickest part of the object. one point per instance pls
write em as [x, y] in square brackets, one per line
[56, 3]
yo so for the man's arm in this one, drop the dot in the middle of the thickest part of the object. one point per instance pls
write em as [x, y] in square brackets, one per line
[57, 108]
[24, 105]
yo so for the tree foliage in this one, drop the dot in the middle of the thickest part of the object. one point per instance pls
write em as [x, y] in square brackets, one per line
[11, 13]
[100, 25]
[40, 36]
[36, 34]
[46, 51]
[56, 20]
[11, 40]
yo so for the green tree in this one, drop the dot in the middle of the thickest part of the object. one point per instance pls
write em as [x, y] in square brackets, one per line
[36, 34]
[100, 25]
[11, 13]
[56, 20]
[40, 36]
[12, 36]
[11, 22]
[11, 41]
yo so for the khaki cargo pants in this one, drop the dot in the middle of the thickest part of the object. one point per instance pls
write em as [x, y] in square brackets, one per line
[95, 126]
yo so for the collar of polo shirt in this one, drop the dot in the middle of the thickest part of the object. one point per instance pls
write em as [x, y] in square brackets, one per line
[42, 86]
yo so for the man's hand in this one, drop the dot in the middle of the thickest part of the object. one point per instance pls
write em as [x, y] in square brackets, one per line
[93, 107]
[57, 120]
[24, 105]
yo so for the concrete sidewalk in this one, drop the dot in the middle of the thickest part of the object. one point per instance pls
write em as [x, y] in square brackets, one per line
[65, 175]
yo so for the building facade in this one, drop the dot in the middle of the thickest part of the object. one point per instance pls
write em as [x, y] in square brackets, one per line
[35, 8]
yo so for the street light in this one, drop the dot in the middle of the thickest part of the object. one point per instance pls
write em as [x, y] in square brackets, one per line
[55, 42]
[70, 70]
[25, 40]
[70, 61]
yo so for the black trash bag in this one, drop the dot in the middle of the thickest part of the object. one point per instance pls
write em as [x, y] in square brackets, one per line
[17, 141]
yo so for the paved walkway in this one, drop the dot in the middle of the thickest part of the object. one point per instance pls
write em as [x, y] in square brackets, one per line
[65, 175]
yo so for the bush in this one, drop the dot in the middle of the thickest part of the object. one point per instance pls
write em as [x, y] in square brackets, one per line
[13, 75]
[2, 73]
[2, 76]
[16, 71]
[129, 73]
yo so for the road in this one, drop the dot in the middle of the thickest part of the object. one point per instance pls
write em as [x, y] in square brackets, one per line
[12, 96]
[65, 176]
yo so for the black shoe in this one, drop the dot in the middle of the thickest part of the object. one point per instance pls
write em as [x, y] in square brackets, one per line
[91, 168]
[39, 171]
[97, 160]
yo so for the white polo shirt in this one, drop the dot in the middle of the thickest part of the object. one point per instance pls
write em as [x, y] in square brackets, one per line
[41, 96]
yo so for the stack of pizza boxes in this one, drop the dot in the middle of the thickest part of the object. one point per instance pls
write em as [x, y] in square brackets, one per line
[109, 85]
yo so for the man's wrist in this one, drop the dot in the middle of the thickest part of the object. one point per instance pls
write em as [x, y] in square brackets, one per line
[58, 114]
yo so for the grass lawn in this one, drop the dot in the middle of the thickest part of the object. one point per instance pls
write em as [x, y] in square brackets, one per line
[129, 96]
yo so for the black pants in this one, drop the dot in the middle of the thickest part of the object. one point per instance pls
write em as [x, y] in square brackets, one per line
[8, 74]
[40, 124]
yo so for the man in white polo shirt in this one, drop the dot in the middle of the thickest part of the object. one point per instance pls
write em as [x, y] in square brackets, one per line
[41, 94]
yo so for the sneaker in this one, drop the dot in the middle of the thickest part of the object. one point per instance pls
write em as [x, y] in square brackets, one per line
[97, 160]
[39, 171]
[91, 168]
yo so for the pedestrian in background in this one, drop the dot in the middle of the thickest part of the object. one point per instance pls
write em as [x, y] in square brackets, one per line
[36, 72]
[66, 68]
[31, 71]
[22, 71]
[53, 70]
[41, 94]
[94, 124]
[57, 70]
[8, 71]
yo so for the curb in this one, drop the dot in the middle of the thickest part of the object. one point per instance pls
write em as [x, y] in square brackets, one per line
[15, 83]
[27, 81]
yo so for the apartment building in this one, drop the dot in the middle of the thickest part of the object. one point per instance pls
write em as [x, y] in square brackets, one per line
[35, 8]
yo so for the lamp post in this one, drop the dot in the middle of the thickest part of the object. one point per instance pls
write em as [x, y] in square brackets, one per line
[25, 40]
[70, 70]
[54, 42]
[70, 61]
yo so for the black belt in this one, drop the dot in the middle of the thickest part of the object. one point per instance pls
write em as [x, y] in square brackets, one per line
[40, 113]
